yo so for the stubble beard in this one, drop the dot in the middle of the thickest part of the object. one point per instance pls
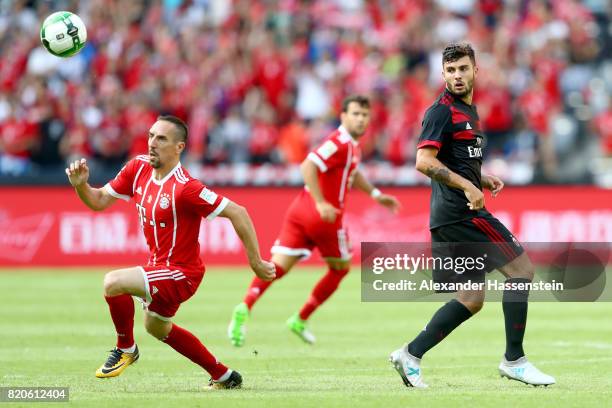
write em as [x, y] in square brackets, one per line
[356, 132]
[468, 86]
[154, 162]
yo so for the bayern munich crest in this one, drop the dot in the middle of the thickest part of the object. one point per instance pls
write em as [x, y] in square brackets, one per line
[164, 201]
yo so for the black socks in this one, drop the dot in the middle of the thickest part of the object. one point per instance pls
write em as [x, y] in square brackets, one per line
[515, 315]
[444, 321]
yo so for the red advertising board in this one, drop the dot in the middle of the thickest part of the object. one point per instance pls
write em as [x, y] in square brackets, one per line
[51, 227]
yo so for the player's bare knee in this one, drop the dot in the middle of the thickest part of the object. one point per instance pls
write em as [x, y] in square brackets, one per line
[522, 268]
[529, 270]
[155, 332]
[338, 266]
[157, 328]
[473, 306]
[284, 261]
[112, 284]
[341, 270]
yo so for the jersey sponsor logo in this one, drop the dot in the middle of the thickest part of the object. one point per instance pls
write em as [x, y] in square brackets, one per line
[478, 141]
[209, 196]
[475, 152]
[327, 149]
[164, 201]
[468, 127]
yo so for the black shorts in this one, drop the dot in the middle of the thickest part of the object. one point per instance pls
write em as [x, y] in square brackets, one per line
[485, 240]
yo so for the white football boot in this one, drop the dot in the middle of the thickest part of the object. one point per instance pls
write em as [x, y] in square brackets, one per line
[523, 371]
[408, 367]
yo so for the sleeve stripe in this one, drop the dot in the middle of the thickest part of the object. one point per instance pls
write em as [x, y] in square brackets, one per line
[136, 178]
[224, 202]
[317, 161]
[429, 143]
[115, 194]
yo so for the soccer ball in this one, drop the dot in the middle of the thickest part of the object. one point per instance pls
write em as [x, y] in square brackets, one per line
[63, 34]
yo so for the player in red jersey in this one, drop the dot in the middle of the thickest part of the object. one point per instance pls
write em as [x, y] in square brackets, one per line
[170, 205]
[315, 219]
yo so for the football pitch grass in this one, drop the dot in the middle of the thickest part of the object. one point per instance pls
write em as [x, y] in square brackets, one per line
[55, 330]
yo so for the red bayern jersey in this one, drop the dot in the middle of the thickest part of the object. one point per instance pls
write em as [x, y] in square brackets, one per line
[170, 211]
[337, 159]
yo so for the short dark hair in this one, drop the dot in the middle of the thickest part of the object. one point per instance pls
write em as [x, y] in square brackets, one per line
[455, 51]
[361, 100]
[183, 133]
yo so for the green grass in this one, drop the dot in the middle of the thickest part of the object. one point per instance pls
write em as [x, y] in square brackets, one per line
[55, 331]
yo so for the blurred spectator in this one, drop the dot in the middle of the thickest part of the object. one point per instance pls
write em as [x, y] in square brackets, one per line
[262, 81]
[602, 125]
[18, 136]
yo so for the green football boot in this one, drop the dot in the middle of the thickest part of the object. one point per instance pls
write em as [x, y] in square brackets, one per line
[236, 330]
[299, 327]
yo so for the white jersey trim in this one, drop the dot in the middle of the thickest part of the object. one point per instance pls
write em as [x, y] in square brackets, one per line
[346, 137]
[224, 202]
[167, 177]
[136, 178]
[160, 317]
[174, 218]
[180, 176]
[317, 161]
[279, 249]
[344, 245]
[154, 222]
[115, 194]
[349, 160]
[148, 299]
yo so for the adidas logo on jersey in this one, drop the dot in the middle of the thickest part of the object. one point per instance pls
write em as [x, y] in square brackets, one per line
[139, 190]
[468, 127]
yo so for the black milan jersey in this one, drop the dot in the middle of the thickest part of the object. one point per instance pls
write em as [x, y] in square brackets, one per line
[453, 127]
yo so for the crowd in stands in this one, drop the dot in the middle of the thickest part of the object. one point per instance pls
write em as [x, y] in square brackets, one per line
[260, 82]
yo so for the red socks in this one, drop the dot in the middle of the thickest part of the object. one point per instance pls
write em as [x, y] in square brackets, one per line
[122, 312]
[322, 291]
[258, 287]
[188, 345]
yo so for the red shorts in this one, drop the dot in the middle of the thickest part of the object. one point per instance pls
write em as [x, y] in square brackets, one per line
[303, 229]
[167, 288]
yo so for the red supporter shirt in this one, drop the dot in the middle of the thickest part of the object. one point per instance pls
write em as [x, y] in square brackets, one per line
[170, 211]
[337, 159]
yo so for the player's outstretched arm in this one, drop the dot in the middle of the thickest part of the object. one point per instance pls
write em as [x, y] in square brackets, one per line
[326, 210]
[386, 200]
[428, 164]
[97, 199]
[243, 225]
[493, 183]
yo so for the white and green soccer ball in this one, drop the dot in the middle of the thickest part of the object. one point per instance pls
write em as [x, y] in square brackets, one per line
[63, 34]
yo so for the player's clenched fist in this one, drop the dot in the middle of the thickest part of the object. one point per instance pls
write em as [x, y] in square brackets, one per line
[493, 183]
[389, 202]
[327, 211]
[264, 270]
[475, 198]
[78, 172]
